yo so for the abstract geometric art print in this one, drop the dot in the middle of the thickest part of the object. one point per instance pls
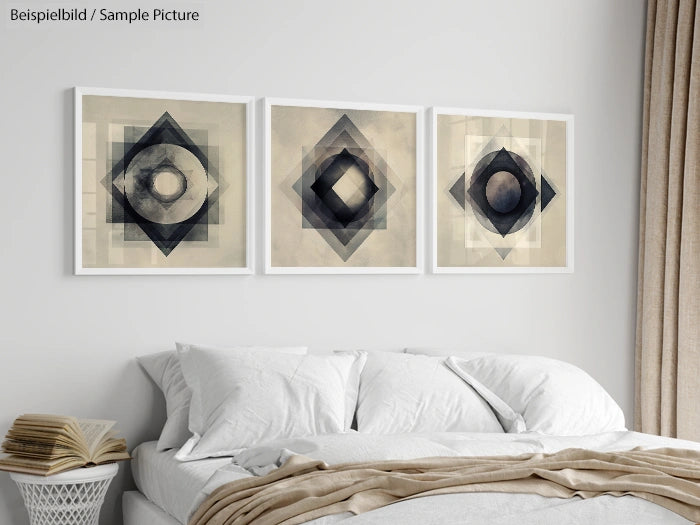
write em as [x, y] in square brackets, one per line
[502, 192]
[342, 187]
[162, 182]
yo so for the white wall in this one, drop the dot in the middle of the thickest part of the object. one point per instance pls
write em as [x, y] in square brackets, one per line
[68, 342]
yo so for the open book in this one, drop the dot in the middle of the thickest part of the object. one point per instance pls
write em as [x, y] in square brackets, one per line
[46, 444]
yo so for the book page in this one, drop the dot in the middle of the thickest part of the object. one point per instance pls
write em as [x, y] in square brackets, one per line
[41, 467]
[94, 430]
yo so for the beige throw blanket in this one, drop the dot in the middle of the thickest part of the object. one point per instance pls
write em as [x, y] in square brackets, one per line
[304, 489]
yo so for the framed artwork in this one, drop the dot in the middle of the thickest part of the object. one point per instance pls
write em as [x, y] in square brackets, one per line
[343, 187]
[163, 183]
[502, 191]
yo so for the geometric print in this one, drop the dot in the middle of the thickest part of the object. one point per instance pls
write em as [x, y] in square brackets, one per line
[344, 188]
[163, 184]
[502, 191]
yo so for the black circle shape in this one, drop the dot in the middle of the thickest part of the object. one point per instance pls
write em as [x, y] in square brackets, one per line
[491, 218]
[503, 191]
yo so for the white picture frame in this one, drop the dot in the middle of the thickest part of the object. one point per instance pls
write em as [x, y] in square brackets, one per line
[248, 231]
[418, 117]
[437, 191]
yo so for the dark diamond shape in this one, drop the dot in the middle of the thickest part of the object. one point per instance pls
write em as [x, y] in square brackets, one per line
[502, 162]
[344, 240]
[343, 184]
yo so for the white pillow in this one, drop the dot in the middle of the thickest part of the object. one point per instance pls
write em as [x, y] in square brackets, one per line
[445, 352]
[164, 369]
[242, 398]
[551, 396]
[402, 393]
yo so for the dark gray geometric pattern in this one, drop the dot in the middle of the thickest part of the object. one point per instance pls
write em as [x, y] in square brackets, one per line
[502, 192]
[548, 192]
[163, 186]
[510, 210]
[344, 187]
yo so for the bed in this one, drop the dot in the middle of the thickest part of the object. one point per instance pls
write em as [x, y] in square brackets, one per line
[241, 415]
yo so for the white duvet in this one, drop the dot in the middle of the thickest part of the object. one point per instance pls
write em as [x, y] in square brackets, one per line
[463, 509]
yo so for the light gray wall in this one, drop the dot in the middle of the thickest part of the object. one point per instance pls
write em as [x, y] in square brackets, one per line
[68, 343]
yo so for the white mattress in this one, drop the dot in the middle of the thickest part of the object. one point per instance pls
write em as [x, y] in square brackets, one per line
[171, 484]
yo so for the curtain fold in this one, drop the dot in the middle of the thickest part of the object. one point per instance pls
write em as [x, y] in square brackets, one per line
[667, 363]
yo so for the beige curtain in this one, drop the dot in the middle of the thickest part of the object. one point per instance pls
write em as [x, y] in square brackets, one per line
[668, 304]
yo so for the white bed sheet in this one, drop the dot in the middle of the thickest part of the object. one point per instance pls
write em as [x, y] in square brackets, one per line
[137, 510]
[179, 488]
[171, 484]
[353, 447]
[512, 509]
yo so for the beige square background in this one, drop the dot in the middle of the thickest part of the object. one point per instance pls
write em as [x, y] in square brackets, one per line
[452, 220]
[104, 118]
[393, 134]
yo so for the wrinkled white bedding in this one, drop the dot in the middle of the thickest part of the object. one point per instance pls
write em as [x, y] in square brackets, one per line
[465, 509]
[351, 447]
[512, 509]
[172, 485]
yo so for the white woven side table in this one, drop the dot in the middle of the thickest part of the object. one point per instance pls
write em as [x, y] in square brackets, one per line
[73, 497]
